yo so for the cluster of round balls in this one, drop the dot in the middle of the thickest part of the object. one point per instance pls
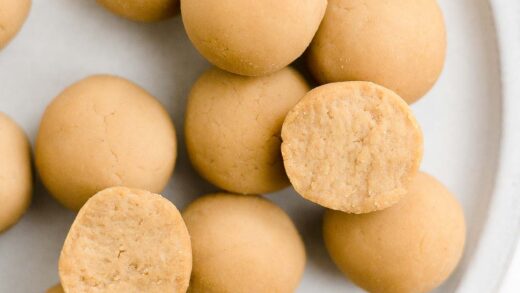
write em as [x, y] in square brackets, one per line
[106, 147]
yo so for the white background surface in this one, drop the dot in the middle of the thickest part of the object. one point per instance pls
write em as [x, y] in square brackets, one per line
[507, 22]
[64, 41]
[512, 281]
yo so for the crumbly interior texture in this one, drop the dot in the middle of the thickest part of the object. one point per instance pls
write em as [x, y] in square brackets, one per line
[13, 14]
[351, 146]
[142, 10]
[56, 289]
[411, 247]
[243, 244]
[251, 37]
[104, 131]
[15, 172]
[126, 240]
[400, 44]
[233, 126]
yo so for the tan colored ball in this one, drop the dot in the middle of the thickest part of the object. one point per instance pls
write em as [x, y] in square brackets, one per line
[411, 247]
[126, 240]
[15, 172]
[400, 44]
[351, 146]
[233, 128]
[13, 14]
[243, 244]
[252, 37]
[100, 132]
[142, 10]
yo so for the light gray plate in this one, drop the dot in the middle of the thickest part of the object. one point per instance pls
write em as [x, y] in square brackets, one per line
[467, 119]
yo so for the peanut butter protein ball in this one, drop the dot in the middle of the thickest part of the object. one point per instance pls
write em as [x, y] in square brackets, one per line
[351, 146]
[252, 37]
[400, 44]
[233, 126]
[142, 10]
[15, 172]
[104, 131]
[126, 240]
[13, 14]
[413, 246]
[243, 244]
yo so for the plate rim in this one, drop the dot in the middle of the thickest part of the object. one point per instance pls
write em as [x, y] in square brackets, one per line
[492, 259]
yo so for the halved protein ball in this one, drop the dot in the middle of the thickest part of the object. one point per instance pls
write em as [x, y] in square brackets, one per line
[351, 146]
[126, 240]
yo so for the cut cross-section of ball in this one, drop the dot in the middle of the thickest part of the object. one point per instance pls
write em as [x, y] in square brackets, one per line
[126, 240]
[351, 146]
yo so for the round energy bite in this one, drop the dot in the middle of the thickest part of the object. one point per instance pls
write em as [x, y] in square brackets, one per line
[104, 131]
[126, 240]
[243, 244]
[142, 10]
[233, 128]
[251, 37]
[13, 14]
[413, 246]
[400, 44]
[15, 172]
[351, 146]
